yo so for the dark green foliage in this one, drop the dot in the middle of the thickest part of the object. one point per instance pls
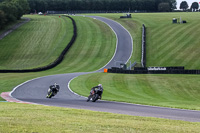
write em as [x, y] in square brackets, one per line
[184, 5]
[12, 10]
[195, 6]
[98, 5]
[164, 7]
[2, 19]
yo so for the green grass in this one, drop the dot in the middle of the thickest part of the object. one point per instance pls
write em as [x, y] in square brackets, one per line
[91, 50]
[20, 118]
[176, 91]
[172, 44]
[10, 25]
[134, 28]
[94, 47]
[40, 42]
[36, 43]
[32, 118]
[167, 44]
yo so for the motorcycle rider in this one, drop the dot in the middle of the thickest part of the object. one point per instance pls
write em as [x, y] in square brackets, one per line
[100, 88]
[54, 88]
[94, 90]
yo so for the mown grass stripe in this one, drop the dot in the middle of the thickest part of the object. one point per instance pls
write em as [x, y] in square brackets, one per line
[179, 51]
[93, 46]
[174, 50]
[166, 39]
[162, 44]
[166, 44]
[40, 41]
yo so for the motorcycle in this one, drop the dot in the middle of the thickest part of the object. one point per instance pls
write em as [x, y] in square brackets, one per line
[94, 95]
[52, 91]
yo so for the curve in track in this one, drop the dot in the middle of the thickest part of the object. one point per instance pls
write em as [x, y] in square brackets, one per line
[35, 90]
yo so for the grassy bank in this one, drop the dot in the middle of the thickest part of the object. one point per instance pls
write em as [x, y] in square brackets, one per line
[20, 118]
[177, 91]
[36, 43]
[10, 25]
[134, 28]
[167, 44]
[91, 50]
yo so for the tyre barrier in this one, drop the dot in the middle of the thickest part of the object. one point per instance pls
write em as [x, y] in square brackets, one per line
[154, 70]
[56, 62]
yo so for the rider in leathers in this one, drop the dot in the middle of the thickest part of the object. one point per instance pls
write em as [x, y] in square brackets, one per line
[54, 88]
[94, 89]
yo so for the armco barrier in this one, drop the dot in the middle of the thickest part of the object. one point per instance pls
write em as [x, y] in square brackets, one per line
[53, 64]
[143, 58]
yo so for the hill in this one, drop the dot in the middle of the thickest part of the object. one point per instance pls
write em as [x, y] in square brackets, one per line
[167, 44]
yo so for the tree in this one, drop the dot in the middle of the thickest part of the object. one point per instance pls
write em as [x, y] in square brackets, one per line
[195, 6]
[184, 5]
[99, 5]
[25, 6]
[173, 4]
[10, 10]
[164, 7]
[149, 5]
[2, 19]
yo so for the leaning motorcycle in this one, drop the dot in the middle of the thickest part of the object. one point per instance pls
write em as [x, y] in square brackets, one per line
[51, 93]
[94, 95]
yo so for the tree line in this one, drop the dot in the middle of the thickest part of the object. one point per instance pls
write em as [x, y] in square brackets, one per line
[184, 6]
[12, 10]
[102, 5]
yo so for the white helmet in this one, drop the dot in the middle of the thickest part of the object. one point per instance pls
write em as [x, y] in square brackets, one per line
[100, 85]
[55, 84]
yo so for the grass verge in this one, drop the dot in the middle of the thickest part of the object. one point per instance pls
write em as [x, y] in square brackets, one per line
[21, 118]
[176, 91]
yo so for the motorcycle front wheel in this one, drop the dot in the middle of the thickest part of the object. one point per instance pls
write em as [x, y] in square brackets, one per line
[95, 98]
[49, 95]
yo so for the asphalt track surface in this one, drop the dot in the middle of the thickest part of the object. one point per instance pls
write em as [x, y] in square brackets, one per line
[35, 90]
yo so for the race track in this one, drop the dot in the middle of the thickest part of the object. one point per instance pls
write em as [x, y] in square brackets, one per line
[35, 90]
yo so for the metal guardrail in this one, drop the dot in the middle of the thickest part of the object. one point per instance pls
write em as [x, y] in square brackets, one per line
[143, 59]
[132, 65]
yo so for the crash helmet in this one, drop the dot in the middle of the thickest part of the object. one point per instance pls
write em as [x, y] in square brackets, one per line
[100, 85]
[55, 84]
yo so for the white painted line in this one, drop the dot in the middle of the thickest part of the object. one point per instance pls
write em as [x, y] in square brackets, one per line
[71, 90]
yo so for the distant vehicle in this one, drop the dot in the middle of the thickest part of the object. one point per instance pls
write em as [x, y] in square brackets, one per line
[40, 13]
